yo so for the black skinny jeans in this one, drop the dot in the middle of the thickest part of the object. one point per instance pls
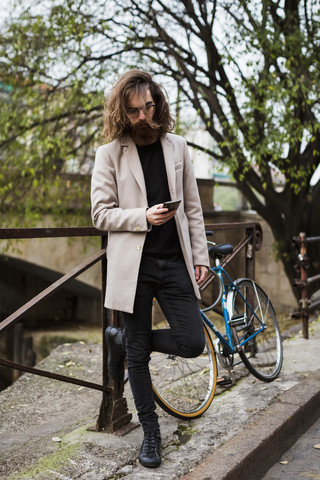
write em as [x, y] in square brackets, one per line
[167, 280]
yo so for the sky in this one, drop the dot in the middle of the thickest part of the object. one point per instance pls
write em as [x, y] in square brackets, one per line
[4, 9]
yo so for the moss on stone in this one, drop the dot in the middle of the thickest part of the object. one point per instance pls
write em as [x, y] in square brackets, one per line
[46, 465]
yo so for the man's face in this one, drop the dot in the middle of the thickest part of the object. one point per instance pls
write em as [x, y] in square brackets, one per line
[139, 111]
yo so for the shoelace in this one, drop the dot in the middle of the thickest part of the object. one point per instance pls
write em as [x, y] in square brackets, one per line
[152, 443]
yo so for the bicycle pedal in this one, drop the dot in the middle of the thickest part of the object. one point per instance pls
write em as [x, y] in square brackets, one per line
[237, 321]
[224, 381]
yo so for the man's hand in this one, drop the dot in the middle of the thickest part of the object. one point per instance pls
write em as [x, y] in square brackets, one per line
[200, 273]
[157, 215]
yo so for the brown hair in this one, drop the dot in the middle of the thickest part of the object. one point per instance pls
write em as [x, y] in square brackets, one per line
[116, 120]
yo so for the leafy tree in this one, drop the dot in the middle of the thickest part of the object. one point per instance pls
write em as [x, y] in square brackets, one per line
[249, 69]
[51, 110]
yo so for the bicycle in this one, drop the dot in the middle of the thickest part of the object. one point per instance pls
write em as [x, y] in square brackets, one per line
[185, 387]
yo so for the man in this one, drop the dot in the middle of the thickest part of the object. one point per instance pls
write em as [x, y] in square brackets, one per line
[152, 251]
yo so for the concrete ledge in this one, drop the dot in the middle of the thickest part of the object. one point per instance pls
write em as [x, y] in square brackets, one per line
[249, 455]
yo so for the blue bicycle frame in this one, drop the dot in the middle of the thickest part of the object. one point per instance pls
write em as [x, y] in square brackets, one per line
[228, 343]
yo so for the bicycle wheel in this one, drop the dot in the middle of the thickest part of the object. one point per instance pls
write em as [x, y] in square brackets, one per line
[262, 354]
[184, 387]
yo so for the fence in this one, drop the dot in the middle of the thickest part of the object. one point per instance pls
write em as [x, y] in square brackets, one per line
[306, 306]
[113, 415]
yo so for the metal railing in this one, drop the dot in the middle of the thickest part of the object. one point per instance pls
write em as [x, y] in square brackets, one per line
[113, 415]
[110, 419]
[306, 306]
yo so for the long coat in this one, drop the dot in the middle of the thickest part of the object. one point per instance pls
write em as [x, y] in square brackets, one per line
[119, 204]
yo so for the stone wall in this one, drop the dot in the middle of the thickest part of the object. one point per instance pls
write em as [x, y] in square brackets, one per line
[58, 254]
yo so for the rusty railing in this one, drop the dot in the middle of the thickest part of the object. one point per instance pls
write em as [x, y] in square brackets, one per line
[113, 415]
[113, 411]
[306, 306]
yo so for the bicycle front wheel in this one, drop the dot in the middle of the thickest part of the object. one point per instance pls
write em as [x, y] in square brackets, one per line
[250, 310]
[185, 387]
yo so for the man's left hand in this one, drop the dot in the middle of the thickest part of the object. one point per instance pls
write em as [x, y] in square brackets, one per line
[200, 273]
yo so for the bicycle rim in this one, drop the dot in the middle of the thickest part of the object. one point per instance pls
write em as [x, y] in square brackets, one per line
[263, 354]
[185, 387]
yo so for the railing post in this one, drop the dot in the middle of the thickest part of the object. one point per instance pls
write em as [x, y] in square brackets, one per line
[113, 415]
[306, 306]
[304, 302]
[250, 255]
[301, 267]
[255, 232]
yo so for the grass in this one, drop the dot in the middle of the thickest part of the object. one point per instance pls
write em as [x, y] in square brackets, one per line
[47, 465]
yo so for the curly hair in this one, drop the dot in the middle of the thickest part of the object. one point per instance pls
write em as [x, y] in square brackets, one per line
[116, 120]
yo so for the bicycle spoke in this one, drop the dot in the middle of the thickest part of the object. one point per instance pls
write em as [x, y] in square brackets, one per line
[260, 339]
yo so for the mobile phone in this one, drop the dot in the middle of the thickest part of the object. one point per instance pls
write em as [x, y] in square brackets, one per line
[172, 205]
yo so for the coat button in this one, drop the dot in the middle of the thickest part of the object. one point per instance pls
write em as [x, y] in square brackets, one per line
[139, 247]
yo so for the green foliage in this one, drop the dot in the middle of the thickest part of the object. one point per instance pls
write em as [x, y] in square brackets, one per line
[51, 111]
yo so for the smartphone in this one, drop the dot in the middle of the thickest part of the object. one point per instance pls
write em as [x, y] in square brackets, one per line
[172, 205]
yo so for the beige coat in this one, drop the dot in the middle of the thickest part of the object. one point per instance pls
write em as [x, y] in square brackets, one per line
[119, 203]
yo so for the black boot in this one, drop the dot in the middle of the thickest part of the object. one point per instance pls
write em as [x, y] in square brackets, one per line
[116, 353]
[150, 452]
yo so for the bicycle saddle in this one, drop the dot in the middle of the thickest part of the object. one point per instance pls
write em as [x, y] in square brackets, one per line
[220, 250]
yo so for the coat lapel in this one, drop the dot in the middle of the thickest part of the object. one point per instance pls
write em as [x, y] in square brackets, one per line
[167, 148]
[132, 157]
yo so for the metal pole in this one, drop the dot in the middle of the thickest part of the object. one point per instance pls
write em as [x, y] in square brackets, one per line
[250, 255]
[113, 414]
[304, 302]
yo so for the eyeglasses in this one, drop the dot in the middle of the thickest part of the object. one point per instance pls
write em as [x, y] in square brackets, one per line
[135, 111]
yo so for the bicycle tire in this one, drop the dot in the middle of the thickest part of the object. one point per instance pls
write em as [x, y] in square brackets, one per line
[185, 387]
[263, 354]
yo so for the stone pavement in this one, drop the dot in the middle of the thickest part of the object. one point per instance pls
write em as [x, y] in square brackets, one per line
[302, 460]
[45, 424]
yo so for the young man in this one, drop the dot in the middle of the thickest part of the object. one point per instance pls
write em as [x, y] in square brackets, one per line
[152, 251]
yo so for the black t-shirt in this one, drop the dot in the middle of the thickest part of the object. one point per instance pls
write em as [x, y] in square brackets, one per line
[162, 240]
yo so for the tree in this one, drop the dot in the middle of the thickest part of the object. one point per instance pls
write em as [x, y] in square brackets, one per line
[250, 70]
[51, 111]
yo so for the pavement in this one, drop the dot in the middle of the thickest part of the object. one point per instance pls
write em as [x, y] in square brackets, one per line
[46, 425]
[301, 461]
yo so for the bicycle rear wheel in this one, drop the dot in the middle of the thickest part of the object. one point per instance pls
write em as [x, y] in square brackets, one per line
[262, 354]
[184, 387]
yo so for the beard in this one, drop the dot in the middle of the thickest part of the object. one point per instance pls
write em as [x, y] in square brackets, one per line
[143, 134]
